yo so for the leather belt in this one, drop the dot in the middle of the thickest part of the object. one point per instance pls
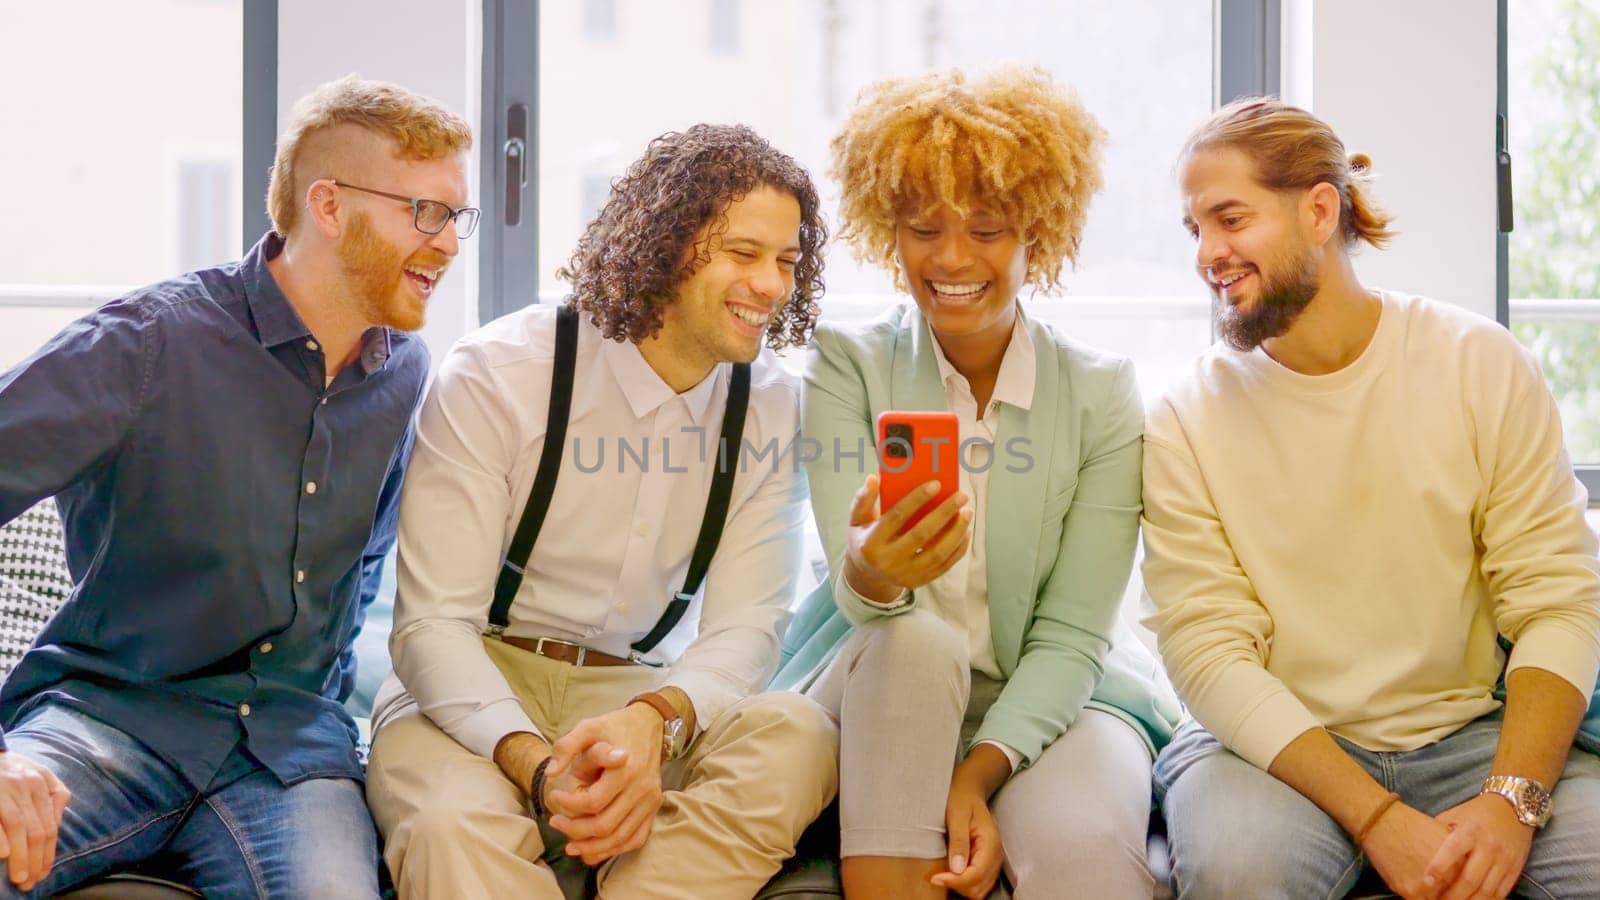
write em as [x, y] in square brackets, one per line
[565, 651]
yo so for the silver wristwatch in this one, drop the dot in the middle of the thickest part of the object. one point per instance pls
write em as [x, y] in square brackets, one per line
[674, 736]
[1527, 797]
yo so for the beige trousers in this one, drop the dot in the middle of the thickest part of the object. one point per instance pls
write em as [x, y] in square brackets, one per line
[1072, 825]
[731, 812]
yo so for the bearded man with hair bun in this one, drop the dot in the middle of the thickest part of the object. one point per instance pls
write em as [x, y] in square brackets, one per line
[1372, 580]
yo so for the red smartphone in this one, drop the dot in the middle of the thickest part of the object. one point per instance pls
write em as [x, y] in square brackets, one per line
[915, 448]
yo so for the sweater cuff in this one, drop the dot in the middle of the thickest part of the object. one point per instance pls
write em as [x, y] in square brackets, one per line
[1260, 733]
[1556, 649]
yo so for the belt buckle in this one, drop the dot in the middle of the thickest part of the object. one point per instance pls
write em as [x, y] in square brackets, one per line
[538, 647]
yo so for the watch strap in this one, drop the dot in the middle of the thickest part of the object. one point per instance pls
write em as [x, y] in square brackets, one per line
[659, 703]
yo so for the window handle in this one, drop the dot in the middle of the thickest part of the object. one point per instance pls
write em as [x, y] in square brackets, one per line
[515, 153]
[1502, 167]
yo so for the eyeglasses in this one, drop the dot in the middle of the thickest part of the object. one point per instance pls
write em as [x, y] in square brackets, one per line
[429, 216]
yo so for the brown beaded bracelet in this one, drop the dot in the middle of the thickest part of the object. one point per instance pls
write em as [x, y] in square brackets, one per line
[540, 812]
[1377, 813]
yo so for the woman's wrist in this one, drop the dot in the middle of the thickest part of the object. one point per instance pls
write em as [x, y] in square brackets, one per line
[868, 583]
[984, 770]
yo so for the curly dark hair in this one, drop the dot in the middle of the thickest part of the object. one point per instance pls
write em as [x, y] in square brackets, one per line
[630, 260]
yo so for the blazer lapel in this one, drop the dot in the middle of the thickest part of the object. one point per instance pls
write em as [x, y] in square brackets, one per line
[914, 383]
[1016, 502]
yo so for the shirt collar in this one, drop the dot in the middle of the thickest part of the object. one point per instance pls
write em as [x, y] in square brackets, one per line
[645, 390]
[375, 349]
[275, 318]
[1014, 384]
[276, 321]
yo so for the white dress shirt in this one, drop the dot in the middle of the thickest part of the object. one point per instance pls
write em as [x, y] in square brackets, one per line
[617, 539]
[961, 595]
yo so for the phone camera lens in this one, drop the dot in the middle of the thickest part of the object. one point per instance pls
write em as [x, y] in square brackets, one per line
[898, 443]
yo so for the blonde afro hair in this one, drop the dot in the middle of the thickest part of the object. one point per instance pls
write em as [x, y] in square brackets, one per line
[1011, 139]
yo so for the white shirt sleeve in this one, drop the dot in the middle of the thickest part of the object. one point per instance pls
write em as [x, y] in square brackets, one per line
[747, 593]
[453, 514]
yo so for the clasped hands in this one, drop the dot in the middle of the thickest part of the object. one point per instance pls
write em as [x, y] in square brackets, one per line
[603, 783]
[1473, 851]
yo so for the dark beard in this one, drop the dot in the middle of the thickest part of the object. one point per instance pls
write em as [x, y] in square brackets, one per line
[1280, 304]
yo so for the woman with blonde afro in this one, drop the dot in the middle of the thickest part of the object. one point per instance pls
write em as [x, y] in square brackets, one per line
[984, 637]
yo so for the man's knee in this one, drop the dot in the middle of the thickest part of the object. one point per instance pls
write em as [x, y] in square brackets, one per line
[794, 732]
[340, 884]
[1236, 831]
[1565, 860]
[436, 829]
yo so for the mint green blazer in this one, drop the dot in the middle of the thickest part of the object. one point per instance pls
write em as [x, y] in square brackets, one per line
[1063, 519]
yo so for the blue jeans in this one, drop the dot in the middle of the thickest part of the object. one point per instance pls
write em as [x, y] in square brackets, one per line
[252, 837]
[1236, 831]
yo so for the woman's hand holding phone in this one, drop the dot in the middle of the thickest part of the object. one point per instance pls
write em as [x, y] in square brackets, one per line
[885, 557]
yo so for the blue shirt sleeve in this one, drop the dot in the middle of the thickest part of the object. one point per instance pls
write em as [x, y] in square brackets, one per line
[65, 409]
[384, 530]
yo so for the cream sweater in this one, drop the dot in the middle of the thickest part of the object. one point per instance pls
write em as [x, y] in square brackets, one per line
[1341, 550]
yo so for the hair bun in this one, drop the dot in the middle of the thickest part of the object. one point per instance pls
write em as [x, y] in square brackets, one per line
[1360, 162]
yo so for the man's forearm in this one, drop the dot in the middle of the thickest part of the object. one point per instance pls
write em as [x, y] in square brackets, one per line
[1543, 711]
[1316, 766]
[518, 754]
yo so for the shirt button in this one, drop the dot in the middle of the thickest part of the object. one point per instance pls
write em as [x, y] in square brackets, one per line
[324, 401]
[300, 576]
[311, 345]
[244, 709]
[644, 531]
[265, 648]
[311, 487]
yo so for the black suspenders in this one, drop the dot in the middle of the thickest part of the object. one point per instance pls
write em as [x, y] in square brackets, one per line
[544, 487]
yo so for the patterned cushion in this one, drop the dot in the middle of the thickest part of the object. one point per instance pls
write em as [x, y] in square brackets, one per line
[34, 581]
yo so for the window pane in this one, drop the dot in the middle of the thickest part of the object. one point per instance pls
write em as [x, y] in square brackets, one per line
[1552, 83]
[794, 72]
[124, 153]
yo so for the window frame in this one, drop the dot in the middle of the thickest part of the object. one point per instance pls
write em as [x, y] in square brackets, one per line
[259, 130]
[1246, 39]
[1246, 58]
[1588, 472]
[508, 255]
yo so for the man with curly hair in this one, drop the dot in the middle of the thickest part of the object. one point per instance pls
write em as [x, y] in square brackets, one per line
[992, 719]
[535, 697]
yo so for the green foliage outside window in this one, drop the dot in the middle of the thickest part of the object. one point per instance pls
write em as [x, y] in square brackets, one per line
[1555, 247]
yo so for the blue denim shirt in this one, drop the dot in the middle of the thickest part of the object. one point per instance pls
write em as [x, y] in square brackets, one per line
[226, 514]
